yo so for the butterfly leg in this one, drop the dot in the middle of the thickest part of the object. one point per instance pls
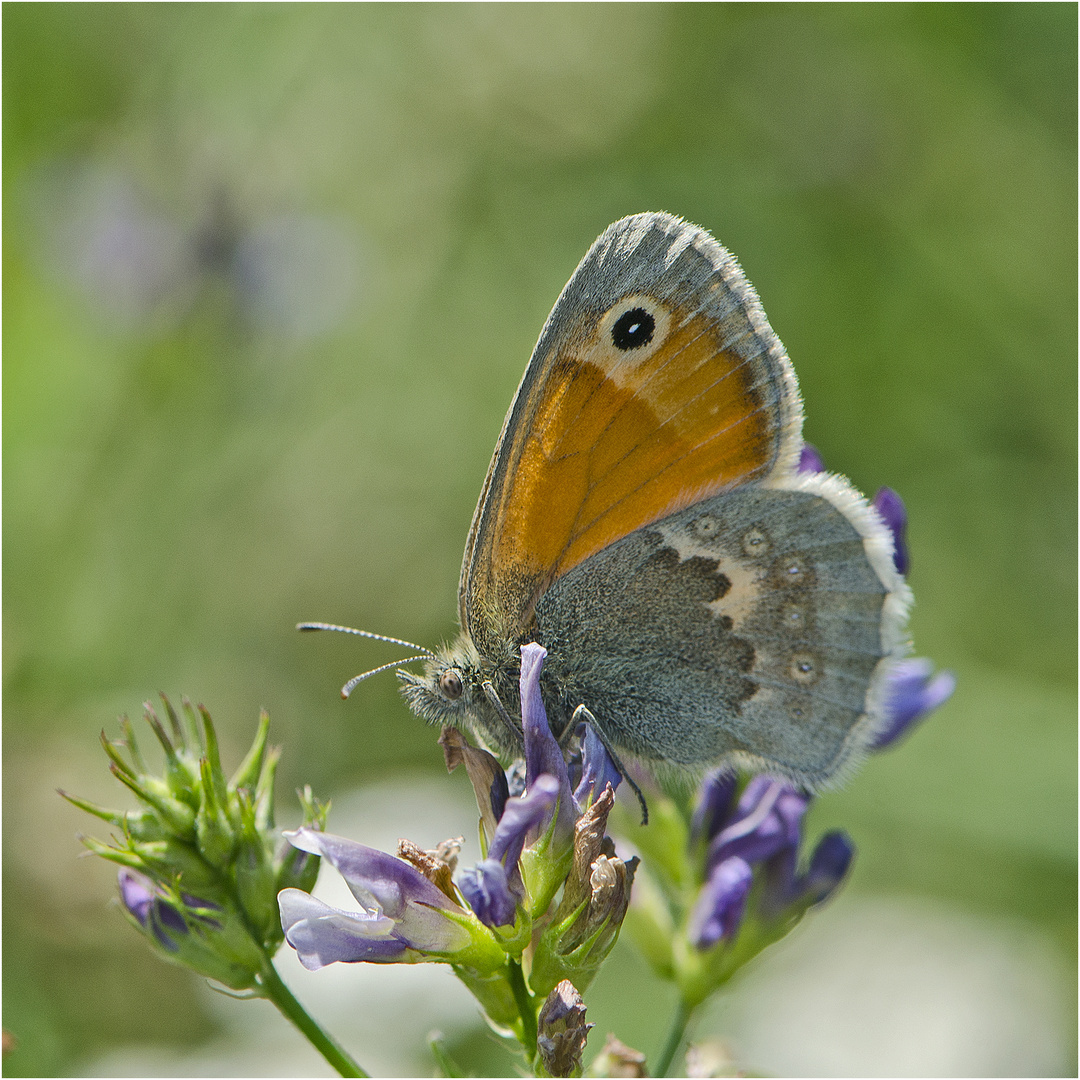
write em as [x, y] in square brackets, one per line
[583, 713]
[496, 703]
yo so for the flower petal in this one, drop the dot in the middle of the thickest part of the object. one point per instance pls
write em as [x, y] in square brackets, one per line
[486, 888]
[324, 935]
[912, 695]
[136, 894]
[714, 804]
[891, 508]
[768, 819]
[828, 866]
[810, 460]
[543, 755]
[597, 769]
[521, 815]
[721, 902]
[376, 879]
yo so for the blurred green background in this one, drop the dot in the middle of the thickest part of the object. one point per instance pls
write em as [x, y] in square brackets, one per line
[271, 275]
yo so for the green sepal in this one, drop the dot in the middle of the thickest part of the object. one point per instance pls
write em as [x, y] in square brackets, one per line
[247, 775]
[215, 834]
[113, 817]
[543, 869]
[264, 790]
[579, 964]
[495, 994]
[487, 951]
[132, 746]
[177, 816]
[180, 779]
[213, 756]
[166, 858]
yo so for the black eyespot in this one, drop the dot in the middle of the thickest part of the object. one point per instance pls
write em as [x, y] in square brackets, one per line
[633, 329]
[450, 684]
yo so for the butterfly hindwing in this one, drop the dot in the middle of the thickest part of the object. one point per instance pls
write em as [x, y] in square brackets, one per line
[749, 628]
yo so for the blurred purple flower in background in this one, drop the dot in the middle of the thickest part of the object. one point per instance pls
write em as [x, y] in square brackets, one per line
[294, 276]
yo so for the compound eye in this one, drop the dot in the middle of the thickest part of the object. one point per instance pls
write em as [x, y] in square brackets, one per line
[450, 684]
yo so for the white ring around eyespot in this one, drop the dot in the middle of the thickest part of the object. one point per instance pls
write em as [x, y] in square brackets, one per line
[603, 350]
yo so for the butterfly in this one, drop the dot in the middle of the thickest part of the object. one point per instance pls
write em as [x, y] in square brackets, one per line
[702, 602]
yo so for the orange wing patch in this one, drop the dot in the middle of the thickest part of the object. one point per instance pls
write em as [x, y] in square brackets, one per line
[607, 452]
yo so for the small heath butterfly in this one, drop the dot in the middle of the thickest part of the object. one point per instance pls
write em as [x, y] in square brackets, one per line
[702, 602]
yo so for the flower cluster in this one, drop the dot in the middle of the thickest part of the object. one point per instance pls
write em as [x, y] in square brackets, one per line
[525, 956]
[719, 888]
[202, 862]
[723, 882]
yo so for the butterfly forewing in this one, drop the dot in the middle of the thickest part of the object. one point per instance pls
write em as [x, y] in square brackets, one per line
[656, 383]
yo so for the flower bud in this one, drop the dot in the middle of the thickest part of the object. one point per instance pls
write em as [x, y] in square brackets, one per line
[562, 1031]
[204, 936]
[200, 875]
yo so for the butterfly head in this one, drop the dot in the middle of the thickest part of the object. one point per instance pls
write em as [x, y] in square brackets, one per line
[459, 689]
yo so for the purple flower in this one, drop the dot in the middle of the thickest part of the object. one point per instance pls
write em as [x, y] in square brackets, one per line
[912, 695]
[403, 916]
[150, 911]
[810, 460]
[829, 865]
[543, 755]
[891, 508]
[764, 829]
[767, 820]
[721, 903]
[493, 886]
[597, 769]
[787, 890]
[714, 804]
[487, 888]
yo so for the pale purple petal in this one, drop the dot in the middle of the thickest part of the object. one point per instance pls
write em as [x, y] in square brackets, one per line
[136, 894]
[324, 935]
[721, 902]
[375, 878]
[912, 695]
[521, 815]
[486, 888]
[597, 769]
[891, 508]
[141, 898]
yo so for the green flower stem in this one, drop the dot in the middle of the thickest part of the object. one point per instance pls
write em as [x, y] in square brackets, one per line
[526, 1007]
[675, 1037]
[277, 992]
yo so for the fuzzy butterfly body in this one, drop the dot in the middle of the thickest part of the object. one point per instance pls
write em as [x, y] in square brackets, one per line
[702, 602]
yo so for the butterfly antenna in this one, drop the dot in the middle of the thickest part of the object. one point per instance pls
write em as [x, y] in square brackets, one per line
[348, 688]
[367, 634]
